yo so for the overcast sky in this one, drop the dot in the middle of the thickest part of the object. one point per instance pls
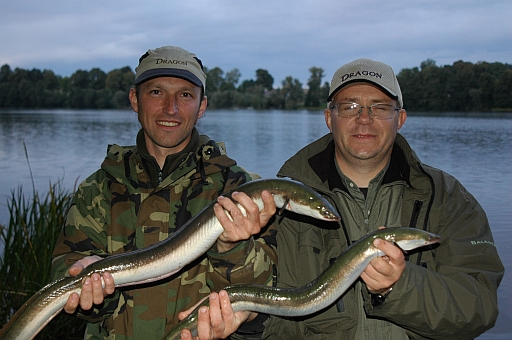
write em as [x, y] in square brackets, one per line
[284, 37]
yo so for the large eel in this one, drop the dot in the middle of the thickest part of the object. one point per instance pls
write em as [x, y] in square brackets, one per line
[164, 258]
[321, 292]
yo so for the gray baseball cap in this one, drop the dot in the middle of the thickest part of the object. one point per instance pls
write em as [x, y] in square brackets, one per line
[170, 61]
[367, 71]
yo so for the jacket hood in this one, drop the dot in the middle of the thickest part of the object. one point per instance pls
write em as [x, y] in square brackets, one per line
[124, 163]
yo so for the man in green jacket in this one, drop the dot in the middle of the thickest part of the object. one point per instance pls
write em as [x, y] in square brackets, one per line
[369, 172]
[143, 194]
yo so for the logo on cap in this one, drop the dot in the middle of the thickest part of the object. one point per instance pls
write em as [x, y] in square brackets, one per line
[165, 61]
[361, 73]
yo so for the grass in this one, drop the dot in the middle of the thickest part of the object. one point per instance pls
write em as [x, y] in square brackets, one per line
[28, 241]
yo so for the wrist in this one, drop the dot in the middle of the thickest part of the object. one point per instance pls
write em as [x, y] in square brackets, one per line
[379, 298]
[222, 247]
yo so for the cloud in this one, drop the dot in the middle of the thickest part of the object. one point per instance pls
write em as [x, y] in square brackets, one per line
[284, 37]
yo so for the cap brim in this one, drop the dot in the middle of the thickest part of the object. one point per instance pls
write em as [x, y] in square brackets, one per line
[169, 72]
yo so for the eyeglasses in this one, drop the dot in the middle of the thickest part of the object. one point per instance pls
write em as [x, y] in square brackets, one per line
[376, 111]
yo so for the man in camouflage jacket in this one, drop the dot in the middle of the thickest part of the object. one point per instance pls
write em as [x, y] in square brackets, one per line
[143, 194]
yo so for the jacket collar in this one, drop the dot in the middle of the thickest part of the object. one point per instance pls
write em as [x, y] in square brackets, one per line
[323, 166]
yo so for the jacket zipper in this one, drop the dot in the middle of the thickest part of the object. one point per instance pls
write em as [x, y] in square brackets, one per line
[415, 213]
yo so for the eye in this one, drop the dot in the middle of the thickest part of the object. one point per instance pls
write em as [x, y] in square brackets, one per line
[348, 106]
[380, 107]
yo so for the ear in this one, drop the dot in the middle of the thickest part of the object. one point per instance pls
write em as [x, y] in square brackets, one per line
[202, 107]
[328, 119]
[133, 100]
[402, 116]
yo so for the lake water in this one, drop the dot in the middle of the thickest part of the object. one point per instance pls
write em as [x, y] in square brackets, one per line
[69, 145]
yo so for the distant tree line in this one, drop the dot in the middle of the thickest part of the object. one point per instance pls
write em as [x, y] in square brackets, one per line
[37, 89]
[462, 86]
[224, 91]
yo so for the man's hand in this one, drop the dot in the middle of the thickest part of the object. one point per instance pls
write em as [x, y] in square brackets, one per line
[238, 227]
[93, 291]
[218, 321]
[382, 272]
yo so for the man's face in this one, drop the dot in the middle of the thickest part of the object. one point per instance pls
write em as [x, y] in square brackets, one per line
[168, 109]
[363, 140]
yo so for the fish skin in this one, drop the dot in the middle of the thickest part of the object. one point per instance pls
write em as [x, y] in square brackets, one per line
[197, 236]
[321, 292]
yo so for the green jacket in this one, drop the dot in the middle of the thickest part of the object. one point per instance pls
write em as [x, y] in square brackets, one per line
[448, 292]
[121, 208]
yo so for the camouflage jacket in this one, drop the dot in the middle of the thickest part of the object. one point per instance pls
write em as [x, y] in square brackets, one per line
[118, 209]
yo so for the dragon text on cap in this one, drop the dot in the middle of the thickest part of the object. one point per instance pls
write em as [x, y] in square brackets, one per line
[170, 61]
[361, 73]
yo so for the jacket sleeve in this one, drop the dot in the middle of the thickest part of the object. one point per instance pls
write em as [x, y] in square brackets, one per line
[455, 296]
[84, 234]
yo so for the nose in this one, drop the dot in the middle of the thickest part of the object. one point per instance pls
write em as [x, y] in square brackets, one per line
[364, 116]
[170, 105]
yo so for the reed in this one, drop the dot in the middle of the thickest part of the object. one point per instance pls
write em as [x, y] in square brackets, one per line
[25, 260]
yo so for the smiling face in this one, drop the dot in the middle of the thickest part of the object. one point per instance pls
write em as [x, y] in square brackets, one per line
[168, 109]
[363, 143]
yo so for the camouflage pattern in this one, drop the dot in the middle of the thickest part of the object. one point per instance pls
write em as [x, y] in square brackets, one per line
[117, 209]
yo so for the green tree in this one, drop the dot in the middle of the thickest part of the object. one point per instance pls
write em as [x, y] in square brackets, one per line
[121, 79]
[503, 94]
[118, 84]
[231, 80]
[214, 79]
[264, 79]
[246, 85]
[97, 79]
[314, 95]
[292, 93]
[5, 73]
[50, 81]
[324, 93]
[461, 80]
[80, 79]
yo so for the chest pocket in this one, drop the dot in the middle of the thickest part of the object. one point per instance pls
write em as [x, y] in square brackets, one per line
[318, 248]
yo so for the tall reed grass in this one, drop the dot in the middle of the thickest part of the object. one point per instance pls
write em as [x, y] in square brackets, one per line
[28, 241]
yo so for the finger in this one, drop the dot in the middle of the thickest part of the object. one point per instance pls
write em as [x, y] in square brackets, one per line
[204, 330]
[231, 323]
[72, 303]
[182, 315]
[216, 317]
[269, 205]
[109, 283]
[185, 335]
[97, 289]
[389, 249]
[225, 305]
[230, 208]
[251, 208]
[374, 280]
[86, 294]
[225, 221]
[79, 265]
[222, 211]
[380, 266]
[76, 268]
[245, 215]
[235, 224]
[253, 220]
